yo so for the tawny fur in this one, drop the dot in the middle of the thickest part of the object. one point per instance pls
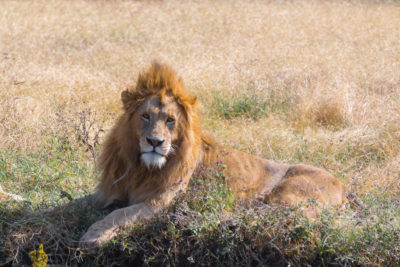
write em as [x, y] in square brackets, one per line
[126, 179]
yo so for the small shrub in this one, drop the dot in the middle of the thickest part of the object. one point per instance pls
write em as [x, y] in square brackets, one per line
[81, 128]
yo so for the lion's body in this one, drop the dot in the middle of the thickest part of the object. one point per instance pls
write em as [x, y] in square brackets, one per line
[157, 145]
[272, 182]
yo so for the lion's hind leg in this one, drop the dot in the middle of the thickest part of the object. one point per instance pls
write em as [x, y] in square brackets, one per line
[304, 184]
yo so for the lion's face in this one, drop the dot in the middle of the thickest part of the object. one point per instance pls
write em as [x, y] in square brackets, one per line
[156, 128]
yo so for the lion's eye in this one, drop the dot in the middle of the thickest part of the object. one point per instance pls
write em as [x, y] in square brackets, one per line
[146, 117]
[170, 120]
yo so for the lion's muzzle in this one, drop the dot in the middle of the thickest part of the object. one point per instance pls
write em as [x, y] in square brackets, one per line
[154, 152]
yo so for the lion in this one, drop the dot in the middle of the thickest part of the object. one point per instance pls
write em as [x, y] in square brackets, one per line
[157, 145]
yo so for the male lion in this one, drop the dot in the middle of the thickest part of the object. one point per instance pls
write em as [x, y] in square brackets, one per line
[156, 146]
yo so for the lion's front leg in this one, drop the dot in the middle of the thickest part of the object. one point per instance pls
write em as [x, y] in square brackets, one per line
[105, 229]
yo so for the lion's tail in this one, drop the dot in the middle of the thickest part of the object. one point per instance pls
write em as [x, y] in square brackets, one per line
[354, 200]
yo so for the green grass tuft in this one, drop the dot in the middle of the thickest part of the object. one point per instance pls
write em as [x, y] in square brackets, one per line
[244, 105]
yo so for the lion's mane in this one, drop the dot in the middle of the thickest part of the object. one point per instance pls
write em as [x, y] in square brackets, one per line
[123, 177]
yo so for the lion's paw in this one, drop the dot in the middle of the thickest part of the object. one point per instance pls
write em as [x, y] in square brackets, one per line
[95, 237]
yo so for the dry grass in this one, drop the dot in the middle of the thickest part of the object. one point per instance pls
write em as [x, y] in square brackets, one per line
[329, 71]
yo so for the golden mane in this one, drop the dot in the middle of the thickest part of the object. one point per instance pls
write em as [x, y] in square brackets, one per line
[123, 177]
[157, 80]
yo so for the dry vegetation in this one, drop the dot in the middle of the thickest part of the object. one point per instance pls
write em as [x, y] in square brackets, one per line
[323, 79]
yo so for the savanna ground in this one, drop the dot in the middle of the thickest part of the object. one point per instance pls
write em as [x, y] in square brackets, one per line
[311, 81]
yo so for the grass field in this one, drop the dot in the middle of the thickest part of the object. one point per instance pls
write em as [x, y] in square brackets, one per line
[310, 81]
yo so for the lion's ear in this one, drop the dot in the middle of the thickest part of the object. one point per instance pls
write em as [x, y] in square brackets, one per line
[126, 98]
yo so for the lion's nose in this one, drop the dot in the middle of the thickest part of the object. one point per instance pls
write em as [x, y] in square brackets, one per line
[154, 141]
